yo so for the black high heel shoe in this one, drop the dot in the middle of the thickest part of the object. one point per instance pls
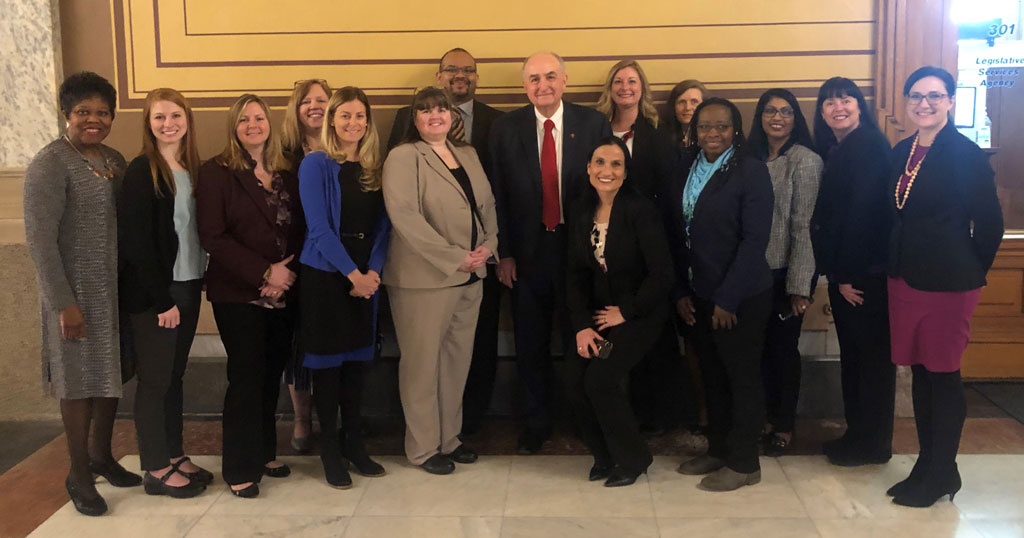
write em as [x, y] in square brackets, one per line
[926, 492]
[907, 484]
[90, 506]
[621, 477]
[600, 471]
[115, 474]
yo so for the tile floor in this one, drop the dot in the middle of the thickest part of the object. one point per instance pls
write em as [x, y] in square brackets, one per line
[541, 496]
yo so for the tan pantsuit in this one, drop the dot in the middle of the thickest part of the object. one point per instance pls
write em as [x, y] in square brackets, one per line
[435, 329]
[434, 313]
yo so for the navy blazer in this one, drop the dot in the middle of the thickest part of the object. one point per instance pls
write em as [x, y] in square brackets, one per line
[320, 194]
[640, 272]
[932, 246]
[516, 179]
[728, 236]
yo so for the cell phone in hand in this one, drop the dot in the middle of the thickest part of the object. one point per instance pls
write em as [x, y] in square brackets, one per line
[604, 349]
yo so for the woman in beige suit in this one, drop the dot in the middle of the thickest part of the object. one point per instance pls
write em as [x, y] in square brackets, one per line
[444, 232]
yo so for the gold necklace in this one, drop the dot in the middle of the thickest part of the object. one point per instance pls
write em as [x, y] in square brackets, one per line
[912, 174]
[108, 169]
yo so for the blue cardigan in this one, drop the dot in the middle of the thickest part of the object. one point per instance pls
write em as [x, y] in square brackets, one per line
[321, 201]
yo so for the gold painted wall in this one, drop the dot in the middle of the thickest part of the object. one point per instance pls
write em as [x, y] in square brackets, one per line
[214, 51]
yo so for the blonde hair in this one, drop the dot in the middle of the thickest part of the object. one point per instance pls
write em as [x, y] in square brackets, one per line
[291, 130]
[188, 150]
[369, 145]
[606, 106]
[235, 155]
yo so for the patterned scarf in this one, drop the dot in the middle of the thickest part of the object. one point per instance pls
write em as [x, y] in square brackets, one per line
[700, 174]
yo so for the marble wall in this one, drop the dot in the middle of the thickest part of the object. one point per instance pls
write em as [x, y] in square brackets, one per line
[30, 70]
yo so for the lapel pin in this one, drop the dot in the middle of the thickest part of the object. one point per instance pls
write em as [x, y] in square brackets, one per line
[572, 135]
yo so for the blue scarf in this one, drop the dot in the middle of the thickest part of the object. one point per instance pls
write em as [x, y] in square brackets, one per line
[700, 174]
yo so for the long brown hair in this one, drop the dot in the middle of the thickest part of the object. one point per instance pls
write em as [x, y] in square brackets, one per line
[369, 145]
[188, 150]
[606, 106]
[235, 155]
[291, 130]
[427, 99]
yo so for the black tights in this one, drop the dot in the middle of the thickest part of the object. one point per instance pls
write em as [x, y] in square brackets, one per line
[79, 416]
[334, 388]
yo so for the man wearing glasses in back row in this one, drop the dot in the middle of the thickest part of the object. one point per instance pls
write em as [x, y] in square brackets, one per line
[456, 73]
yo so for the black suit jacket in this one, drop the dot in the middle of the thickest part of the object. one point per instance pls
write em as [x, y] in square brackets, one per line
[851, 219]
[516, 179]
[483, 117]
[729, 233]
[640, 272]
[653, 160]
[147, 243]
[931, 245]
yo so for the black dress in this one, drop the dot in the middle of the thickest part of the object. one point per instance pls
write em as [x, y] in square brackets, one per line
[343, 323]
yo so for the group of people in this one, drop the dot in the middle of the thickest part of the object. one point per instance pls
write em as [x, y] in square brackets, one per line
[618, 227]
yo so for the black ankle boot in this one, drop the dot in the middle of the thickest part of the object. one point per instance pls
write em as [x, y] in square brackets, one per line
[85, 504]
[930, 489]
[908, 483]
[353, 450]
[334, 470]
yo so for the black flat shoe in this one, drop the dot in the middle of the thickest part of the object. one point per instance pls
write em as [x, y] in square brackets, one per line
[463, 454]
[438, 464]
[115, 474]
[774, 444]
[620, 477]
[90, 506]
[531, 441]
[600, 472]
[277, 472]
[202, 476]
[159, 486]
[246, 493]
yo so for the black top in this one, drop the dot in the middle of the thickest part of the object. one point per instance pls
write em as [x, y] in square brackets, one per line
[636, 254]
[728, 236]
[516, 177]
[653, 160]
[467, 188]
[851, 219]
[360, 211]
[931, 245]
[147, 241]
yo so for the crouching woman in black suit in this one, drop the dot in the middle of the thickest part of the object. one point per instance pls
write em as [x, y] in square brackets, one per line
[619, 272]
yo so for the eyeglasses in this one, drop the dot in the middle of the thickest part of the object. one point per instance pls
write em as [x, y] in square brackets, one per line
[933, 98]
[720, 127]
[455, 70]
[770, 112]
[320, 81]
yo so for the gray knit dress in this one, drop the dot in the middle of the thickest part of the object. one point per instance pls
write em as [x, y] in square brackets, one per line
[71, 230]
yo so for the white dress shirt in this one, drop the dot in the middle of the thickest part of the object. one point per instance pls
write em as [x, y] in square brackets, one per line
[557, 134]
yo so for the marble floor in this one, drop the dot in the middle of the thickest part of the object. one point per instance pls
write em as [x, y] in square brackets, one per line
[541, 496]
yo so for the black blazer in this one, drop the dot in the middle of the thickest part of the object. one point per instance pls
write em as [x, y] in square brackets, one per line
[515, 172]
[851, 219]
[483, 117]
[931, 245]
[652, 161]
[147, 243]
[729, 233]
[640, 272]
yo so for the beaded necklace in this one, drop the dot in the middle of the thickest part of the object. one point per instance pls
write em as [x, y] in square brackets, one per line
[108, 168]
[912, 174]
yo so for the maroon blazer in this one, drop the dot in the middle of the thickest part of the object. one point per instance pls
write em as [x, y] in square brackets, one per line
[237, 228]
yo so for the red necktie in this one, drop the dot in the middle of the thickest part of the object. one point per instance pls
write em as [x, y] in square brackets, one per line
[549, 178]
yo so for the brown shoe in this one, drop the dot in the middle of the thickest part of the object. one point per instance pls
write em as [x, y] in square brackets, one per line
[725, 479]
[700, 465]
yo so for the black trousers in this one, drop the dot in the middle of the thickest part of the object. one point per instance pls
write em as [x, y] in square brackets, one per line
[476, 400]
[338, 388]
[161, 357]
[258, 342]
[538, 303]
[868, 374]
[730, 361]
[940, 409]
[656, 381]
[780, 363]
[598, 392]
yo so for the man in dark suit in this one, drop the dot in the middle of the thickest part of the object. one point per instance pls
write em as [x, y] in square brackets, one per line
[538, 170]
[457, 74]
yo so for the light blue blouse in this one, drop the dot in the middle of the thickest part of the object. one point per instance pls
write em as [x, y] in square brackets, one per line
[190, 263]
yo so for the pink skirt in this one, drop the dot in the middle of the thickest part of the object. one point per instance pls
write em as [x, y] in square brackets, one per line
[930, 328]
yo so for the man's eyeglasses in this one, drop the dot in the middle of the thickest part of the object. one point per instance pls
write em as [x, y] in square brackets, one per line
[933, 98]
[455, 70]
[785, 112]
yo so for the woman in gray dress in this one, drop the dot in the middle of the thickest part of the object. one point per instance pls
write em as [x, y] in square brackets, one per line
[71, 230]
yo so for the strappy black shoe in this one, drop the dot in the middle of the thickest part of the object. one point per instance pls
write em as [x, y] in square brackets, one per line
[159, 486]
[202, 476]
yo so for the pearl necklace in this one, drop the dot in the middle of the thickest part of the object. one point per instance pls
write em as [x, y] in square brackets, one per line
[912, 174]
